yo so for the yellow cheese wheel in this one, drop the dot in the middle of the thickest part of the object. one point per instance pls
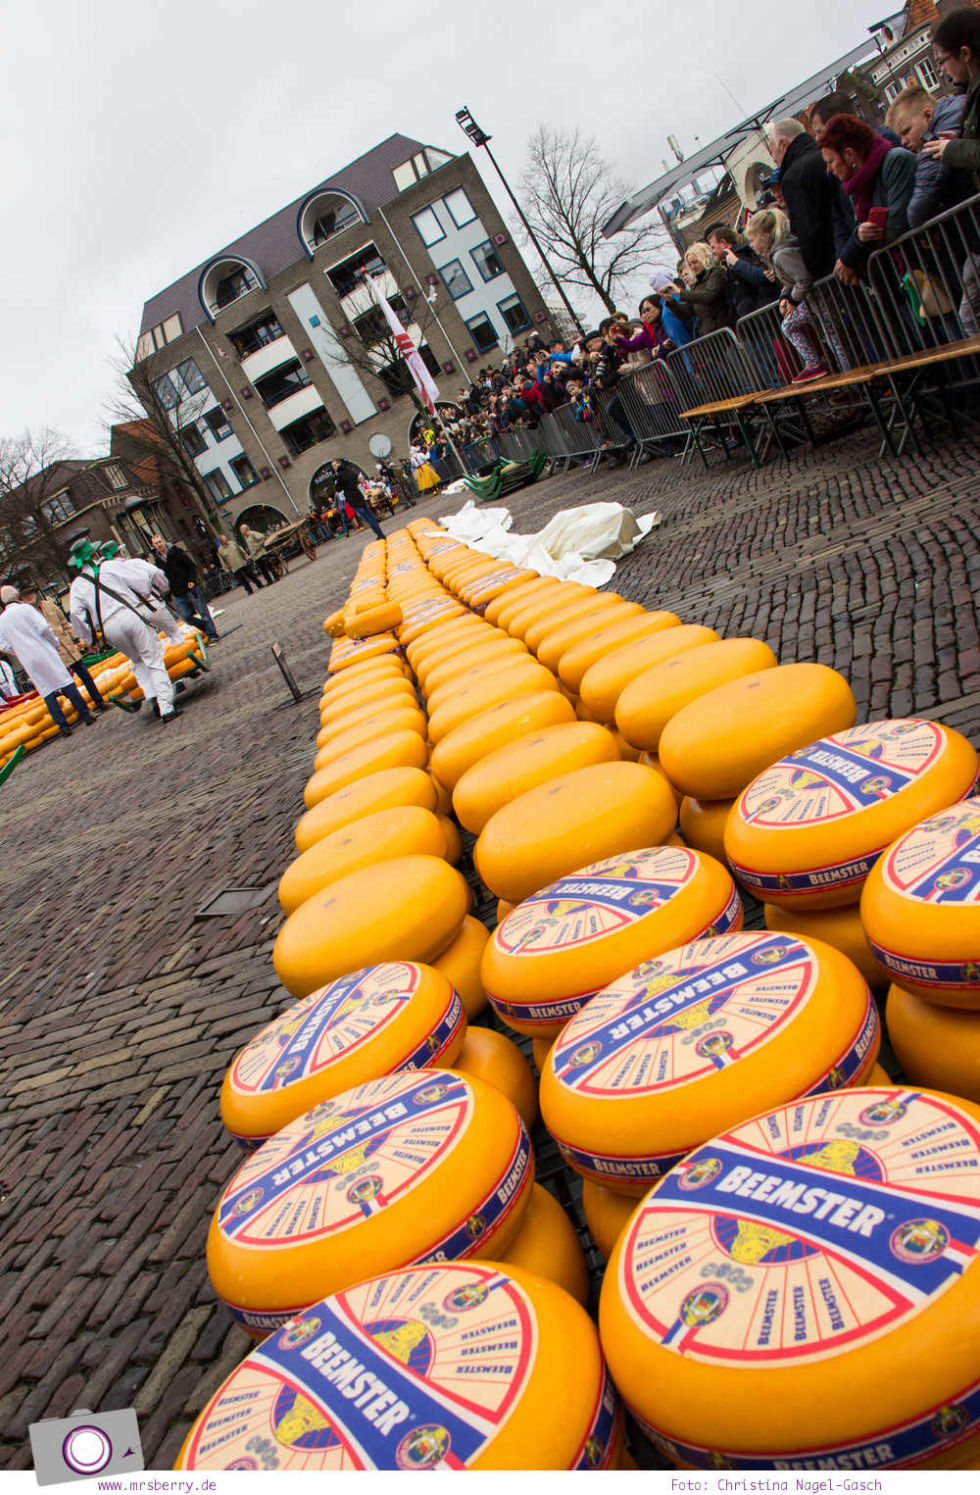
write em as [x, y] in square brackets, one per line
[417, 1339]
[398, 1015]
[404, 749]
[604, 682]
[808, 830]
[477, 676]
[703, 824]
[567, 941]
[454, 841]
[840, 927]
[592, 605]
[921, 908]
[502, 685]
[718, 743]
[354, 680]
[347, 653]
[444, 803]
[440, 642]
[558, 641]
[496, 584]
[396, 718]
[370, 698]
[386, 790]
[405, 831]
[460, 964]
[461, 666]
[626, 1094]
[491, 1057]
[936, 1046]
[514, 602]
[504, 908]
[426, 615]
[567, 595]
[407, 908]
[605, 638]
[651, 699]
[569, 822]
[650, 760]
[627, 751]
[377, 619]
[442, 1168]
[606, 1214]
[333, 624]
[756, 1308]
[546, 1245]
[490, 731]
[540, 1048]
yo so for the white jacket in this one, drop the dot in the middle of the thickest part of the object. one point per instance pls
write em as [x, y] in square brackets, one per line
[25, 633]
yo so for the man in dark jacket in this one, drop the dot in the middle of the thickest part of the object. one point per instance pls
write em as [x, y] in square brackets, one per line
[347, 488]
[747, 286]
[186, 595]
[820, 215]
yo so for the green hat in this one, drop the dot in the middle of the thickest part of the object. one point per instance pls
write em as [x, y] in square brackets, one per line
[81, 550]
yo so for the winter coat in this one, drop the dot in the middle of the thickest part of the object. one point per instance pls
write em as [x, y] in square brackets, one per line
[964, 154]
[892, 189]
[180, 570]
[747, 285]
[707, 297]
[678, 322]
[810, 203]
[937, 185]
[231, 557]
[791, 268]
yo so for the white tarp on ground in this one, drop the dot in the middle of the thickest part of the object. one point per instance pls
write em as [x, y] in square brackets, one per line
[581, 544]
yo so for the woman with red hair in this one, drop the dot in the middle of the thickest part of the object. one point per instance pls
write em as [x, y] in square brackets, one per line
[877, 176]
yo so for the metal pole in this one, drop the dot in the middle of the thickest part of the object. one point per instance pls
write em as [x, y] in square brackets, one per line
[435, 314]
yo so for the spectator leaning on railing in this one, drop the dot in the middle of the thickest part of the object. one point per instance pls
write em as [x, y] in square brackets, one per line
[956, 44]
[706, 292]
[820, 215]
[878, 177]
[919, 118]
[747, 286]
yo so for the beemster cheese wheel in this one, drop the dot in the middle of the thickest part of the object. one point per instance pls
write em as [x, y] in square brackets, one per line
[717, 744]
[649, 701]
[569, 599]
[495, 1059]
[435, 1368]
[808, 830]
[547, 958]
[428, 614]
[404, 749]
[508, 721]
[936, 1046]
[696, 1040]
[501, 609]
[384, 723]
[921, 908]
[398, 1015]
[606, 637]
[604, 682]
[569, 822]
[476, 676]
[606, 1214]
[406, 831]
[463, 667]
[703, 822]
[547, 1246]
[519, 679]
[407, 908]
[763, 1305]
[387, 695]
[840, 927]
[460, 964]
[385, 790]
[424, 1165]
[543, 753]
[347, 653]
[578, 608]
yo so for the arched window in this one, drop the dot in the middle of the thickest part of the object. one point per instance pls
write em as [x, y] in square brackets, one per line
[227, 280]
[326, 214]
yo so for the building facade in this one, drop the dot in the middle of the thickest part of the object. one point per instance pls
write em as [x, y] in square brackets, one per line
[906, 56]
[271, 358]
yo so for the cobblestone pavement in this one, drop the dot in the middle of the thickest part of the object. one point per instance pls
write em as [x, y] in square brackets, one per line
[119, 1012]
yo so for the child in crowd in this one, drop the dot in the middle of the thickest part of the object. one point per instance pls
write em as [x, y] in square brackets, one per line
[769, 235]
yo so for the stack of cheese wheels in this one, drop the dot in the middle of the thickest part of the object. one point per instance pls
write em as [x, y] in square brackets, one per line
[571, 821]
[936, 1046]
[537, 757]
[570, 939]
[763, 1304]
[491, 1057]
[404, 831]
[806, 832]
[606, 1213]
[423, 1165]
[696, 1040]
[399, 1015]
[448, 1367]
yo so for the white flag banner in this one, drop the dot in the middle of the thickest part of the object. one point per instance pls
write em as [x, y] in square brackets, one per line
[424, 381]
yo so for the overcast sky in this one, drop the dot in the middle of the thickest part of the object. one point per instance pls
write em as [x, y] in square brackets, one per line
[137, 139]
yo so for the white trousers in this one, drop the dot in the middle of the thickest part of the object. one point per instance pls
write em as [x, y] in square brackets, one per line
[142, 647]
[163, 620]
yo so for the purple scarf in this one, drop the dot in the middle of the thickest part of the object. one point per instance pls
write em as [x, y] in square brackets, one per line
[860, 186]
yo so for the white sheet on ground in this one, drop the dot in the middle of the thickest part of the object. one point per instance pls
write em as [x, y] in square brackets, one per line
[581, 544]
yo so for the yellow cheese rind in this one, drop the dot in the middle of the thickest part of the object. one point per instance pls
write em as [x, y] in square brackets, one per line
[405, 831]
[650, 700]
[604, 682]
[491, 1057]
[605, 638]
[703, 822]
[385, 790]
[840, 927]
[404, 749]
[527, 761]
[474, 740]
[460, 964]
[938, 1047]
[547, 1245]
[606, 1214]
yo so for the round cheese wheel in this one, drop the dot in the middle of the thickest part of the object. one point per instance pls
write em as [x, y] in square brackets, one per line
[333, 624]
[444, 803]
[558, 641]
[936, 1046]
[398, 1015]
[461, 649]
[464, 667]
[547, 1245]
[718, 743]
[514, 602]
[650, 760]
[454, 841]
[649, 701]
[604, 638]
[606, 1214]
[921, 908]
[568, 597]
[477, 676]
[569, 822]
[570, 939]
[387, 1375]
[344, 713]
[840, 927]
[593, 605]
[696, 1040]
[604, 682]
[348, 652]
[396, 718]
[439, 642]
[808, 1249]
[406, 908]
[421, 1165]
[385, 790]
[377, 619]
[491, 1057]
[496, 584]
[404, 749]
[460, 964]
[540, 1048]
[627, 751]
[351, 682]
[518, 720]
[518, 679]
[405, 831]
[703, 824]
[428, 614]
[808, 830]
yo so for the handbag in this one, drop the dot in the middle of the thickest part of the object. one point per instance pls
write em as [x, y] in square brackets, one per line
[927, 296]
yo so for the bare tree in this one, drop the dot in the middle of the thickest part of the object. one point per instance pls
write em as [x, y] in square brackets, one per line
[34, 470]
[569, 191]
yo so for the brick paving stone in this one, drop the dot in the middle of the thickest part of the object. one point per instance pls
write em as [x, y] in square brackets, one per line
[120, 1010]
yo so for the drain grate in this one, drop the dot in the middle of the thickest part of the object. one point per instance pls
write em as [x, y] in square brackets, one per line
[233, 901]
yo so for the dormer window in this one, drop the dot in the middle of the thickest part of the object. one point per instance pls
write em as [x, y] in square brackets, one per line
[325, 215]
[226, 281]
[419, 167]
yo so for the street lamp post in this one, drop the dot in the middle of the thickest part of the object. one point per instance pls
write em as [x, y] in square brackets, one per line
[470, 127]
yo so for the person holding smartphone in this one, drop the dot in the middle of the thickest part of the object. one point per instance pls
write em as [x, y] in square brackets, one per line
[878, 177]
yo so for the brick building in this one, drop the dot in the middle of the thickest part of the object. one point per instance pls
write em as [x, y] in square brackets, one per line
[271, 356]
[905, 40]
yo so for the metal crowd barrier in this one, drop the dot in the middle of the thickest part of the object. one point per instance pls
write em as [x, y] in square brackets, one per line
[650, 399]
